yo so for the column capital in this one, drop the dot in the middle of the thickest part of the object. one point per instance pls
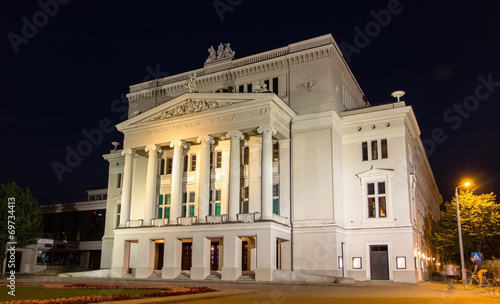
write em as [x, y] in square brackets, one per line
[129, 151]
[266, 130]
[205, 139]
[178, 144]
[236, 135]
[154, 148]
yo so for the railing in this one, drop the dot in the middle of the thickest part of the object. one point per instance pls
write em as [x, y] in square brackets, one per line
[248, 217]
[186, 221]
[135, 223]
[216, 219]
[159, 222]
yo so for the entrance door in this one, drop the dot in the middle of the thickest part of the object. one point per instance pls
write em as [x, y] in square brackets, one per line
[159, 248]
[214, 256]
[244, 255]
[379, 262]
[187, 256]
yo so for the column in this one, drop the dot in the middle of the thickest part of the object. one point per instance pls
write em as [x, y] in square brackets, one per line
[172, 258]
[284, 146]
[234, 174]
[267, 171]
[127, 185]
[231, 264]
[176, 183]
[201, 258]
[204, 177]
[254, 197]
[145, 257]
[151, 183]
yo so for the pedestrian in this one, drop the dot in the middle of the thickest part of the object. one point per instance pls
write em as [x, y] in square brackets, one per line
[450, 273]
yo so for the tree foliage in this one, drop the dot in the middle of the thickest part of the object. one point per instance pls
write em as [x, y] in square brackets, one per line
[480, 221]
[28, 221]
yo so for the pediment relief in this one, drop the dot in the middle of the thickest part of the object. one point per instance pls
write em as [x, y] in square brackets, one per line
[375, 172]
[192, 105]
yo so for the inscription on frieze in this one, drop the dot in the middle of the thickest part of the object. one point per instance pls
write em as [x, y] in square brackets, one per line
[192, 124]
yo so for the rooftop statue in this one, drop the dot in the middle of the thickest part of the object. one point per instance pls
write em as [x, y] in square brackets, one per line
[223, 52]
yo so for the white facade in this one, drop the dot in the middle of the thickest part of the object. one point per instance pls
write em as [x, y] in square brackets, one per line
[274, 164]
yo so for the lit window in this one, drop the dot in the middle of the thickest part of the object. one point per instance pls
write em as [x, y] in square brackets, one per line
[276, 152]
[193, 162]
[377, 204]
[164, 206]
[383, 144]
[218, 159]
[374, 150]
[244, 203]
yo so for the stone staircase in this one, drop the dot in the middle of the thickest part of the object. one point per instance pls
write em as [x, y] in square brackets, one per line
[214, 276]
[184, 276]
[155, 275]
[247, 276]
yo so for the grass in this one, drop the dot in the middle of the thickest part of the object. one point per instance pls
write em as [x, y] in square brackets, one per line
[39, 293]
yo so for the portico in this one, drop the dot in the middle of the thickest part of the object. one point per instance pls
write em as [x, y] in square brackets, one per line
[174, 178]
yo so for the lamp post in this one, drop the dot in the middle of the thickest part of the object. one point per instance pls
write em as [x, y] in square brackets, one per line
[464, 272]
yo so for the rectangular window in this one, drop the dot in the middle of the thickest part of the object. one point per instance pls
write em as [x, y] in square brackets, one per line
[217, 209]
[249, 88]
[169, 165]
[168, 200]
[244, 203]
[374, 150]
[217, 195]
[191, 210]
[211, 161]
[377, 204]
[364, 148]
[186, 163]
[246, 156]
[219, 159]
[119, 180]
[266, 83]
[276, 199]
[118, 212]
[383, 144]
[276, 152]
[241, 88]
[193, 162]
[192, 196]
[162, 166]
[275, 85]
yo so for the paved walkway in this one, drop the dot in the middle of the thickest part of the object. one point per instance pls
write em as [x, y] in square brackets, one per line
[275, 293]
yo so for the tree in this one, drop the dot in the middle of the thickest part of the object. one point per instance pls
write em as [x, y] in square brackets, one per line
[26, 221]
[480, 221]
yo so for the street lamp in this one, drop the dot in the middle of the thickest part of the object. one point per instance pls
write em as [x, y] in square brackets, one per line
[464, 272]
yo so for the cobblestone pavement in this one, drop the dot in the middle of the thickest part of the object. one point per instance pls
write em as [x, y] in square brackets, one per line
[274, 293]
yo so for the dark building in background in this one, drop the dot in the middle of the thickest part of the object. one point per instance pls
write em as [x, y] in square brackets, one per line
[72, 237]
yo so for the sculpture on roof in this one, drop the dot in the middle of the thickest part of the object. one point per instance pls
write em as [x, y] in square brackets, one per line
[223, 52]
[191, 84]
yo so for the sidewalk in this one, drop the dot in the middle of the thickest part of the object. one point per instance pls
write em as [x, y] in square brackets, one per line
[283, 293]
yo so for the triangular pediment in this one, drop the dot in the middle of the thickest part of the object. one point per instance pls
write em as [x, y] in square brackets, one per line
[375, 172]
[189, 104]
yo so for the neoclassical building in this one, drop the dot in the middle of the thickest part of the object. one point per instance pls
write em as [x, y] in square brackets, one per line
[273, 166]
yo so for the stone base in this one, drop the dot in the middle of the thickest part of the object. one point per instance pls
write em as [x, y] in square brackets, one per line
[264, 274]
[199, 273]
[170, 273]
[143, 272]
[230, 274]
[118, 272]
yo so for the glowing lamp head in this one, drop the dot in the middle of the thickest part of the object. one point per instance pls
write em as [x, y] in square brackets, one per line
[467, 184]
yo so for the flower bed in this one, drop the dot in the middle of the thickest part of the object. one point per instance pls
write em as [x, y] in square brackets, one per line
[163, 291]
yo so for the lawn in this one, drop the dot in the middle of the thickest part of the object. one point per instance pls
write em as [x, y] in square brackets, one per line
[39, 293]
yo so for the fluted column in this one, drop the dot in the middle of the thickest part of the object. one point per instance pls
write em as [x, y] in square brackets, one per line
[267, 171]
[127, 185]
[204, 177]
[176, 183]
[234, 173]
[151, 182]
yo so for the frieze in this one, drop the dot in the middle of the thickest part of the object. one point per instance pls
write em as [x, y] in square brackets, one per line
[192, 124]
[188, 107]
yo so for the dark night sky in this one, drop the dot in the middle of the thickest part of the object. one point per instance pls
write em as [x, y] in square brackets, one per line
[83, 57]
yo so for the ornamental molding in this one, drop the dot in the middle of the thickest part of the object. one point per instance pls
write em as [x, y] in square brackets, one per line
[188, 107]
